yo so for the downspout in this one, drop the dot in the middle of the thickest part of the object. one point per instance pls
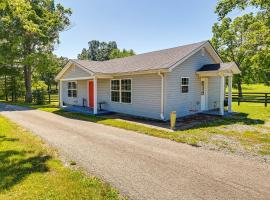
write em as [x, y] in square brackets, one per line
[162, 96]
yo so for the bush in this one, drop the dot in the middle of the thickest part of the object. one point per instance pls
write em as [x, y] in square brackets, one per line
[39, 96]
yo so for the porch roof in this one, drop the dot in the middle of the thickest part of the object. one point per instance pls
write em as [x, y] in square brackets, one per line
[229, 68]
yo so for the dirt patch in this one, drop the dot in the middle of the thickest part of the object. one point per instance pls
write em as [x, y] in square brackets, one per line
[182, 123]
[230, 146]
[237, 127]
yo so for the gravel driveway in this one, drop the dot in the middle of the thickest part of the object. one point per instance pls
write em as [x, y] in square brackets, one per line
[145, 167]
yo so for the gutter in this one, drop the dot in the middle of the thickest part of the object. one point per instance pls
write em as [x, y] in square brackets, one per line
[162, 96]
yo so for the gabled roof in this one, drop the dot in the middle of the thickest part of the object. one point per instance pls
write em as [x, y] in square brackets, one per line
[165, 59]
[162, 59]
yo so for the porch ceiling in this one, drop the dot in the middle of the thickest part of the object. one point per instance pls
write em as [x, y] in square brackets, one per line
[220, 69]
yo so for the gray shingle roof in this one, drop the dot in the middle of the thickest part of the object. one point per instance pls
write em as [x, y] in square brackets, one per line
[155, 60]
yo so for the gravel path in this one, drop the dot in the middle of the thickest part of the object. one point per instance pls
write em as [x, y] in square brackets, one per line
[144, 167]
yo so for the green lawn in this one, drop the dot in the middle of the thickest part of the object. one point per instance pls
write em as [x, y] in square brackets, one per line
[30, 170]
[254, 88]
[248, 132]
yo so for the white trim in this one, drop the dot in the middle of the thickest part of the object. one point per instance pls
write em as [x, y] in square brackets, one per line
[184, 85]
[205, 94]
[120, 90]
[230, 94]
[162, 96]
[68, 65]
[221, 96]
[78, 78]
[72, 89]
[87, 92]
[60, 93]
[95, 95]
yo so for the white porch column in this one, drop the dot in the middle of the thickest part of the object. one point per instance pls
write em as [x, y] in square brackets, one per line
[60, 92]
[230, 94]
[95, 96]
[221, 98]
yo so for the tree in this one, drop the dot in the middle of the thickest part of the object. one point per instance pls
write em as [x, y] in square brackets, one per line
[101, 51]
[117, 53]
[35, 26]
[84, 55]
[244, 40]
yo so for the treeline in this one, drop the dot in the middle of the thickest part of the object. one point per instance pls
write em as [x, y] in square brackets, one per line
[101, 51]
[29, 31]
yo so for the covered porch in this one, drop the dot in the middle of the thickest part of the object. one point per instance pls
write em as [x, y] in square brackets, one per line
[224, 73]
[81, 95]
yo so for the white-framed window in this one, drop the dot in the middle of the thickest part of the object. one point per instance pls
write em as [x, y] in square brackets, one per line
[72, 89]
[121, 90]
[184, 84]
[115, 90]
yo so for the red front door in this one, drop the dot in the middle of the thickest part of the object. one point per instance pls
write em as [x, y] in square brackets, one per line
[91, 94]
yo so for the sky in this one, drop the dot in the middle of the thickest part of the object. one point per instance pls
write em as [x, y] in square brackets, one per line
[141, 25]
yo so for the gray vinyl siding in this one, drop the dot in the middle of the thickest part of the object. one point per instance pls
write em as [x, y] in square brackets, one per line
[81, 93]
[75, 72]
[186, 103]
[146, 96]
[213, 92]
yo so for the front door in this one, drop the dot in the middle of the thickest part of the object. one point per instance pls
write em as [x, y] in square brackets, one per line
[204, 94]
[91, 94]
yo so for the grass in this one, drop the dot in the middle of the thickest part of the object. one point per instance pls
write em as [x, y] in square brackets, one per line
[246, 132]
[253, 88]
[30, 170]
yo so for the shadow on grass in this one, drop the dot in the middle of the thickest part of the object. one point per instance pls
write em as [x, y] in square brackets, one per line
[207, 121]
[15, 165]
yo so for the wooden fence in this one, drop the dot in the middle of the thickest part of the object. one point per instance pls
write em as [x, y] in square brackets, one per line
[50, 96]
[257, 97]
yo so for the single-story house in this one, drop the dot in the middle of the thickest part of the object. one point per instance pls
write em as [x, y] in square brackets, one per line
[188, 79]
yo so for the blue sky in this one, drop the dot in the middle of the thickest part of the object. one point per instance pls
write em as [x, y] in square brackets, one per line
[141, 25]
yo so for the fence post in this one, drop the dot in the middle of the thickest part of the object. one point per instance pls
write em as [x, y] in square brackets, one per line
[265, 100]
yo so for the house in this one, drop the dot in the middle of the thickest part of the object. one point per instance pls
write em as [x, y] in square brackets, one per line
[187, 79]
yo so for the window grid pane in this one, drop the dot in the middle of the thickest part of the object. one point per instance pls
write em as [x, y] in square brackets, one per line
[115, 85]
[126, 85]
[126, 97]
[184, 85]
[115, 96]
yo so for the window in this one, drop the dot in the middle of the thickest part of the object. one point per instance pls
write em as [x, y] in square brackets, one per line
[115, 90]
[202, 88]
[72, 89]
[121, 91]
[126, 91]
[184, 84]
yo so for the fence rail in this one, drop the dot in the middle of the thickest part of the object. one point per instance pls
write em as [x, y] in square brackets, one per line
[49, 96]
[252, 97]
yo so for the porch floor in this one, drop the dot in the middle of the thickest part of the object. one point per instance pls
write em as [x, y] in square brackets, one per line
[85, 110]
[216, 112]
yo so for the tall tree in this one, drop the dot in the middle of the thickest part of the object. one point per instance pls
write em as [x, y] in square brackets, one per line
[244, 39]
[35, 24]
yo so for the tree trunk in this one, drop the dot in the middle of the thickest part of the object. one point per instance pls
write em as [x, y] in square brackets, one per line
[28, 84]
[239, 86]
[6, 91]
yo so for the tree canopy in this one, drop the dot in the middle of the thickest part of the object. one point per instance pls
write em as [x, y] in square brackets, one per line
[29, 30]
[244, 39]
[101, 51]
